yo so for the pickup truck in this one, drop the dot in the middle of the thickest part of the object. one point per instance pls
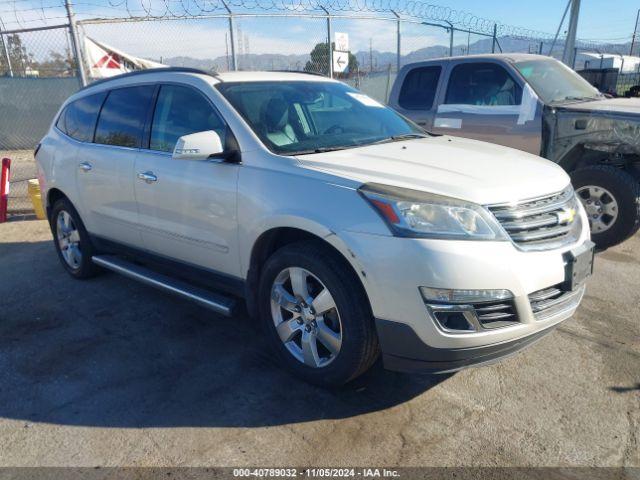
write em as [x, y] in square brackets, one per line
[537, 104]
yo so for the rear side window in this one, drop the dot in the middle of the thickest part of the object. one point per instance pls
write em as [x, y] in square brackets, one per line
[419, 88]
[78, 120]
[483, 84]
[123, 114]
[182, 111]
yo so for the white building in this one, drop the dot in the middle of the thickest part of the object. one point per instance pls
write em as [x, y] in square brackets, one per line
[624, 63]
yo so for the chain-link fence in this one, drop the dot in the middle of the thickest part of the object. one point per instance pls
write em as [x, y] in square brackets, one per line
[39, 66]
[37, 73]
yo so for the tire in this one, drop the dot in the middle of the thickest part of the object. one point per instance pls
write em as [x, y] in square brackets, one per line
[613, 185]
[65, 217]
[351, 319]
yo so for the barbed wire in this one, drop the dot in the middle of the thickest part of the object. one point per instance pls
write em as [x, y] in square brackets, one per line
[15, 14]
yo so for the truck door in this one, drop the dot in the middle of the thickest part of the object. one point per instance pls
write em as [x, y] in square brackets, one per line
[417, 94]
[484, 101]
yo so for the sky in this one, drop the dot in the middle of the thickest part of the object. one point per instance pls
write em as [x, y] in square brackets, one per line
[597, 19]
[206, 38]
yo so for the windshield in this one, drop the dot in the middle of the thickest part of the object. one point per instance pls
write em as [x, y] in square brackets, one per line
[295, 118]
[554, 82]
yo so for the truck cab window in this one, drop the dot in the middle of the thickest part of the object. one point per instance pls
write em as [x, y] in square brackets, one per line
[482, 84]
[419, 88]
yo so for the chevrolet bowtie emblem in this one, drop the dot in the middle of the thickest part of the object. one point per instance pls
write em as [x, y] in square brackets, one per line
[566, 215]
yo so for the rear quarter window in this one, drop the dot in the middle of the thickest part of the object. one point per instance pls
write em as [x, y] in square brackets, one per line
[419, 88]
[78, 119]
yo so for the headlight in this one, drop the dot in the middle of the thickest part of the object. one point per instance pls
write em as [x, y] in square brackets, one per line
[411, 213]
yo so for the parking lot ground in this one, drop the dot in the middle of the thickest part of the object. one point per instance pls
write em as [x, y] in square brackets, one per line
[110, 372]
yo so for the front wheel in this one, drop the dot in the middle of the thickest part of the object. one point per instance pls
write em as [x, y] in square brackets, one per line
[611, 198]
[316, 314]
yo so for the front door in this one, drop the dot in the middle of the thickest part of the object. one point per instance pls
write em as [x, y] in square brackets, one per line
[483, 101]
[187, 208]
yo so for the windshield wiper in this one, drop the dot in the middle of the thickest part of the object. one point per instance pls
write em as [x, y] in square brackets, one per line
[394, 138]
[322, 150]
[572, 98]
[398, 138]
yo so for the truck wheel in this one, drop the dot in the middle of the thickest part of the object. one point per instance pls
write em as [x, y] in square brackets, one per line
[72, 240]
[316, 314]
[611, 198]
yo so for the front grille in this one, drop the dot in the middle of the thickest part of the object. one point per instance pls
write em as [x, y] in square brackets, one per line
[495, 314]
[551, 301]
[542, 223]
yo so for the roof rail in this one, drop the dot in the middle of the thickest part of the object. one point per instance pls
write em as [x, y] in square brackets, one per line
[152, 70]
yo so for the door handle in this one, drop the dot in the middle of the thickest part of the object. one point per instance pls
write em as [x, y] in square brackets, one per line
[147, 177]
[85, 166]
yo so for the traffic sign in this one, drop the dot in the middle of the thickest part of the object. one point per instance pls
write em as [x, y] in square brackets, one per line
[340, 61]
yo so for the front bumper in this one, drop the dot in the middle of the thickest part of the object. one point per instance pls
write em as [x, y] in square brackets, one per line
[403, 351]
[394, 268]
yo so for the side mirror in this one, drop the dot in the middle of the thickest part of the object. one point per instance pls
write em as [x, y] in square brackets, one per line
[198, 146]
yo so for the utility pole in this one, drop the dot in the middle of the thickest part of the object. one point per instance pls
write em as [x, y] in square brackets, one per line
[568, 57]
[370, 55]
[635, 30]
[75, 41]
[226, 50]
[495, 38]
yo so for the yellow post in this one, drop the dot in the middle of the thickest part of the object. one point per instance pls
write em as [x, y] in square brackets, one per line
[36, 198]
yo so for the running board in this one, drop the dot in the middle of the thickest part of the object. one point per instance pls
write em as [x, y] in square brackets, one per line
[213, 301]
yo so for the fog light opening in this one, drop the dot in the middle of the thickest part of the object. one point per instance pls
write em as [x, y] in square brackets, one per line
[454, 321]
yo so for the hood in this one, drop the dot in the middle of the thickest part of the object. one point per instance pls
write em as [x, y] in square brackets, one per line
[622, 106]
[470, 170]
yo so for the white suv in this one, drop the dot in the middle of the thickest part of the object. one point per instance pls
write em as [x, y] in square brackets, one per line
[348, 230]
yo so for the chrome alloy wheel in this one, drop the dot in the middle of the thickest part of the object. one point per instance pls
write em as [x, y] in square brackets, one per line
[68, 240]
[306, 317]
[601, 207]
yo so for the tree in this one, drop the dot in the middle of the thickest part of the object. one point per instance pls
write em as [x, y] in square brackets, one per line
[57, 65]
[319, 61]
[20, 59]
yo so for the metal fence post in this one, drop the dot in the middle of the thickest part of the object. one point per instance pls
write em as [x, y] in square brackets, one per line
[234, 61]
[329, 34]
[76, 42]
[495, 38]
[6, 54]
[451, 30]
[398, 40]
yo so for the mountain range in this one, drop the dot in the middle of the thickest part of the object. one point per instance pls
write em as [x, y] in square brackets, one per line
[369, 60]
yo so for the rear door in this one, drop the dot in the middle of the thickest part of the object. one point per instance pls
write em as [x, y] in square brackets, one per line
[417, 92]
[187, 208]
[486, 101]
[106, 167]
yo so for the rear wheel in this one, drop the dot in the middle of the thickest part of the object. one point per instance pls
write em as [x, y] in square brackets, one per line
[316, 314]
[72, 241]
[611, 198]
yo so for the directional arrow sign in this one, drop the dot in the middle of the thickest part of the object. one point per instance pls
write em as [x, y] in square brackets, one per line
[340, 61]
